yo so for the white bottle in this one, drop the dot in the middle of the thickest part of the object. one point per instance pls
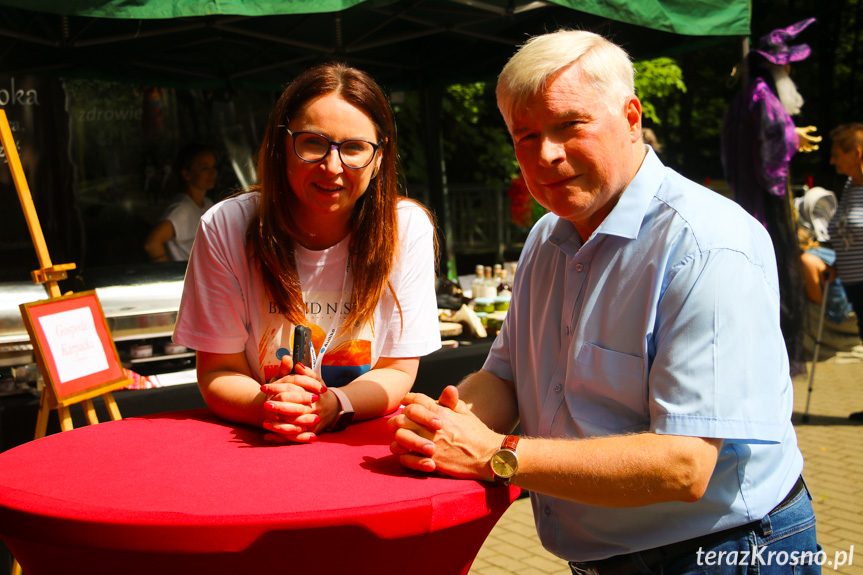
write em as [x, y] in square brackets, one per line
[477, 282]
[489, 287]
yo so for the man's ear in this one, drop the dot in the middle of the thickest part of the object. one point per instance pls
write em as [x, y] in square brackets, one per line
[632, 110]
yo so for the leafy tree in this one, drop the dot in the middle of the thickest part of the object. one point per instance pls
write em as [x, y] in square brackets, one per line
[477, 145]
[657, 80]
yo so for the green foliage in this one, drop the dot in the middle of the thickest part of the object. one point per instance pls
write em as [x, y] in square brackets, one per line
[657, 80]
[464, 102]
[477, 146]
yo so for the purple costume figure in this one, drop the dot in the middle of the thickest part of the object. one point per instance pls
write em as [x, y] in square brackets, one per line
[759, 139]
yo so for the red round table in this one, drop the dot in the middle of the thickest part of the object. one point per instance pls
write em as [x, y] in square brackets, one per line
[186, 492]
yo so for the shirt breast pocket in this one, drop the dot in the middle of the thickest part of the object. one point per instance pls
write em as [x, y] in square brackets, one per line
[606, 393]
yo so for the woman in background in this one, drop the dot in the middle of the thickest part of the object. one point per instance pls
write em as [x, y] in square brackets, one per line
[172, 238]
[846, 225]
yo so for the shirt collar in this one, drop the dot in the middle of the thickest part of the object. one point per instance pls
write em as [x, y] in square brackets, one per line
[626, 217]
[565, 237]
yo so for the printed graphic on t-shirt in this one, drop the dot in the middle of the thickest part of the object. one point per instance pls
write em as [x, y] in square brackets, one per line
[346, 357]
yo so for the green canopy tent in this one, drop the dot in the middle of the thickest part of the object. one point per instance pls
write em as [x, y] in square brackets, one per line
[263, 44]
[404, 44]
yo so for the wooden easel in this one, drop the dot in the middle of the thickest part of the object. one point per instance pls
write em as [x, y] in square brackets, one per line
[48, 274]
[95, 374]
[49, 402]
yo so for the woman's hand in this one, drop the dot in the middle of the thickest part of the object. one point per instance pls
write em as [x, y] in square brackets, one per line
[294, 410]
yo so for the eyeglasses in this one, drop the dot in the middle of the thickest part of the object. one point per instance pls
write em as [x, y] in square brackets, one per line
[311, 147]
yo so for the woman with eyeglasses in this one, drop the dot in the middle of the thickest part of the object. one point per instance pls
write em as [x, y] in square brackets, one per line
[325, 241]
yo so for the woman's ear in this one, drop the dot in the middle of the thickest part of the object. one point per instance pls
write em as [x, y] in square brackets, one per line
[379, 158]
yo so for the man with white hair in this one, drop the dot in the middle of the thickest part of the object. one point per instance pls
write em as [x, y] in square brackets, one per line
[759, 139]
[641, 355]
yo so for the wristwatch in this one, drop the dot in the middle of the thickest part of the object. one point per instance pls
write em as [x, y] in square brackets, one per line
[504, 462]
[346, 410]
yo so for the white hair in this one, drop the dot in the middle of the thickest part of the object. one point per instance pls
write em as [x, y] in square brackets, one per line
[786, 90]
[605, 66]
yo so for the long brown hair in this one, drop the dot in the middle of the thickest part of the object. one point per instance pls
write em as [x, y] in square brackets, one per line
[374, 229]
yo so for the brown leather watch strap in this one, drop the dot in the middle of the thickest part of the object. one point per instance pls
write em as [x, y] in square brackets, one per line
[509, 442]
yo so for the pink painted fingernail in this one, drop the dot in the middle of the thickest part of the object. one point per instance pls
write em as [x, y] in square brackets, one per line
[315, 397]
[270, 404]
[323, 389]
[313, 437]
[299, 364]
[317, 419]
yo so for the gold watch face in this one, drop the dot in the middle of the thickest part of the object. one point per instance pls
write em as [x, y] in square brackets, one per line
[504, 463]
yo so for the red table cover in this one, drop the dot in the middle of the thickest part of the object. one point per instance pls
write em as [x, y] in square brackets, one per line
[186, 492]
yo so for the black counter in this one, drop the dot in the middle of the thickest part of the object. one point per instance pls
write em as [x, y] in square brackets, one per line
[450, 366]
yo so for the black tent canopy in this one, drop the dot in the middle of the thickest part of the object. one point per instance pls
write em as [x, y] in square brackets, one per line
[404, 44]
[264, 44]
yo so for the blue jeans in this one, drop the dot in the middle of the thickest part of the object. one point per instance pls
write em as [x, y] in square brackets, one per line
[784, 543]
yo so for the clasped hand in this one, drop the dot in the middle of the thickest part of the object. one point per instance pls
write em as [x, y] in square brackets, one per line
[294, 409]
[443, 437]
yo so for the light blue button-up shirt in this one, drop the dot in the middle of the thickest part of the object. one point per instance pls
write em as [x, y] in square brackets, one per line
[665, 320]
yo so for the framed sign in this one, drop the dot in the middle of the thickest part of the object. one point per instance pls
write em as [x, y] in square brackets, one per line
[73, 346]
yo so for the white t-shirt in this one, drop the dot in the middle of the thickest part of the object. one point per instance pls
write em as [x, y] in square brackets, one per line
[225, 308]
[184, 215]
